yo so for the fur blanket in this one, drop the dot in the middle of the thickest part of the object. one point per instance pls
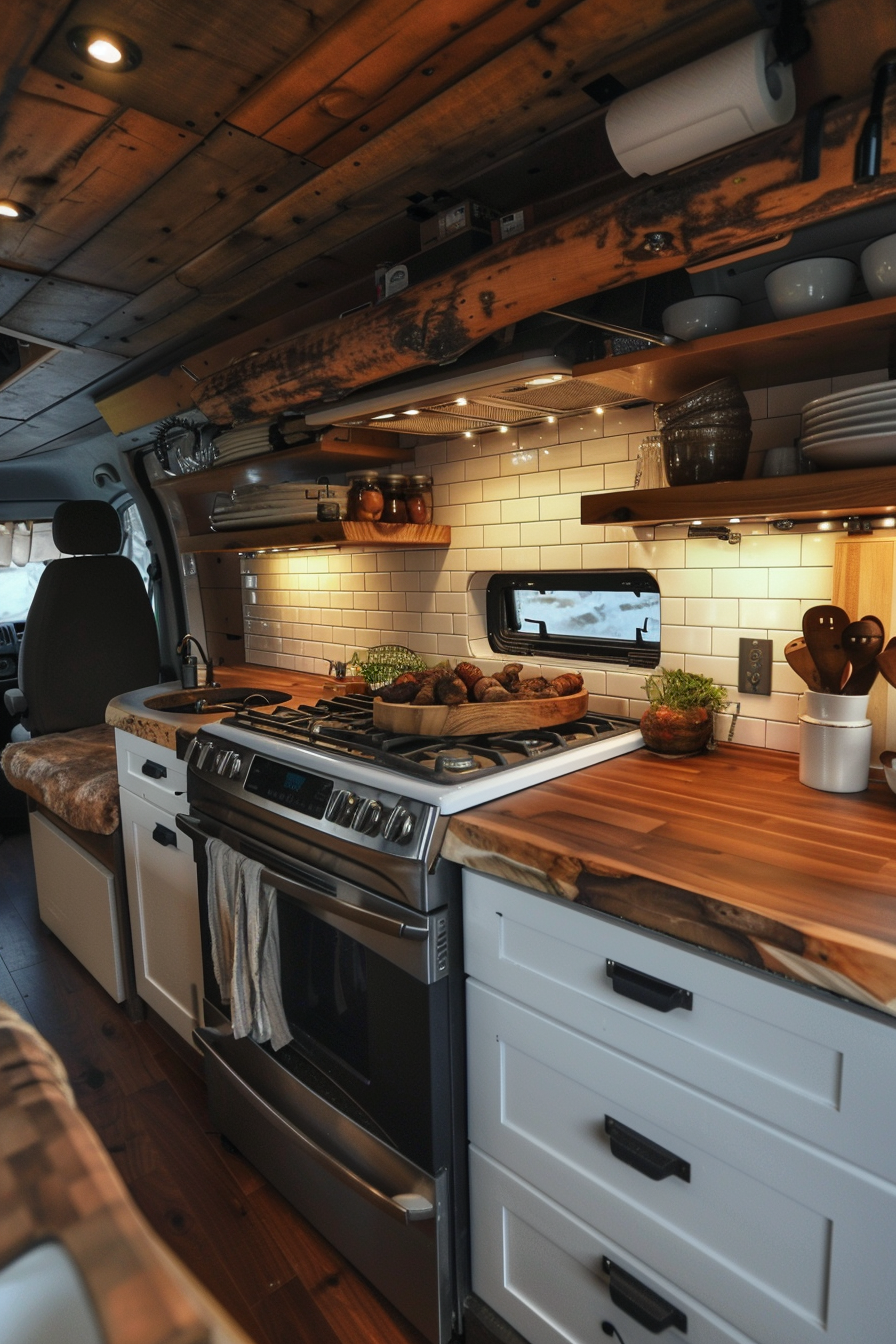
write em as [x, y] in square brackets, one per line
[73, 774]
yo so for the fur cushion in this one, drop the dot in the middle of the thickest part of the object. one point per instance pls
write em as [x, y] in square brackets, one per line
[73, 774]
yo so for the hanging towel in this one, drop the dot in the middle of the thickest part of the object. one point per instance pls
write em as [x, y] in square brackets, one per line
[245, 945]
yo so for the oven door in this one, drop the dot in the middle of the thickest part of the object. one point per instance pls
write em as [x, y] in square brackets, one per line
[354, 1120]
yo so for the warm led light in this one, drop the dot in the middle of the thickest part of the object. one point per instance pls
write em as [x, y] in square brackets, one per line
[698, 522]
[503, 429]
[552, 419]
[412, 412]
[461, 401]
[734, 520]
[543, 382]
[105, 51]
[467, 434]
[15, 210]
[389, 415]
[598, 410]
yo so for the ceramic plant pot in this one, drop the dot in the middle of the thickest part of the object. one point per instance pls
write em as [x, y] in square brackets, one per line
[676, 732]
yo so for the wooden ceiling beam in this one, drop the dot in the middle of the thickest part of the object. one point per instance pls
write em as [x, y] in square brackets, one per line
[528, 91]
[714, 208]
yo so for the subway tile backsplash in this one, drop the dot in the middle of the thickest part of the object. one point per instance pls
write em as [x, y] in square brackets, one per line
[512, 501]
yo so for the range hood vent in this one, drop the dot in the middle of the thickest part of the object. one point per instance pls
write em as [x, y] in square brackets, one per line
[511, 391]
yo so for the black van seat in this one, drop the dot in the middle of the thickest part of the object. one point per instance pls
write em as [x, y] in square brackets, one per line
[73, 775]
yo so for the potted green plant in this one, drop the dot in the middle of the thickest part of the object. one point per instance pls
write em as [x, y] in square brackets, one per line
[678, 721]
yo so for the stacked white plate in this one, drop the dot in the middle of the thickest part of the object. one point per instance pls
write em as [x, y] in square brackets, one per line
[856, 428]
[270, 505]
[247, 441]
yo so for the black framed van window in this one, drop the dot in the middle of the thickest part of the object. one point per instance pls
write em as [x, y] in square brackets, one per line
[599, 615]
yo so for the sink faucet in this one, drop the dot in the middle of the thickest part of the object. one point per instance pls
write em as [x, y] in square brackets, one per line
[189, 670]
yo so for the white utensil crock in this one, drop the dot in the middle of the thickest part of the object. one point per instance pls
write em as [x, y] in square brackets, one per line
[834, 708]
[834, 757]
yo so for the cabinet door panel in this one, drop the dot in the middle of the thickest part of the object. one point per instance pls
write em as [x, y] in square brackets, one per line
[542, 1270]
[760, 1231]
[819, 1069]
[164, 905]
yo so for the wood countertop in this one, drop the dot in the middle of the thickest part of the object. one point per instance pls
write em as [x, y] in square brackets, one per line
[128, 711]
[726, 850]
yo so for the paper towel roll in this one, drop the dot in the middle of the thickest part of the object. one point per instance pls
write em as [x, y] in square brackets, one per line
[716, 101]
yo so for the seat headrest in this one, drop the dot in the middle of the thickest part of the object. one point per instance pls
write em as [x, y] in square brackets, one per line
[87, 527]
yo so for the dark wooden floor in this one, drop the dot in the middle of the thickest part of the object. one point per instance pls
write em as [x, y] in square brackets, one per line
[270, 1269]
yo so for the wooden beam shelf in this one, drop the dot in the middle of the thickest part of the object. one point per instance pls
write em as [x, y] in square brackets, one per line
[306, 536]
[821, 495]
[819, 345]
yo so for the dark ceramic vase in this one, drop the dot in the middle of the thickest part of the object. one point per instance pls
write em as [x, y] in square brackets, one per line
[676, 732]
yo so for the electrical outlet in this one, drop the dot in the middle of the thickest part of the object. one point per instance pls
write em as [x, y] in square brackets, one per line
[754, 667]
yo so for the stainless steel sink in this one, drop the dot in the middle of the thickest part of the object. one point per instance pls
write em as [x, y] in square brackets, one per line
[215, 700]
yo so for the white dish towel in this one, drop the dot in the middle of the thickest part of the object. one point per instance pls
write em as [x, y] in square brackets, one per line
[245, 944]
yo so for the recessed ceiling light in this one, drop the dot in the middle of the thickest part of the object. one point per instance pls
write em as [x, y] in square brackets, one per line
[461, 401]
[543, 382]
[103, 49]
[734, 520]
[412, 412]
[389, 415]
[552, 419]
[598, 410]
[467, 434]
[15, 210]
[503, 429]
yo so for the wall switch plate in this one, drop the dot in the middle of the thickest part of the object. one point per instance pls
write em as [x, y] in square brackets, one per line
[754, 667]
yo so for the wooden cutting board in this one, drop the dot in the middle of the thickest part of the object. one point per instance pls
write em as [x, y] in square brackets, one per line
[469, 720]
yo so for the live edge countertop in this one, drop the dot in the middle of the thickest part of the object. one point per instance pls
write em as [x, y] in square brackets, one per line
[128, 711]
[727, 851]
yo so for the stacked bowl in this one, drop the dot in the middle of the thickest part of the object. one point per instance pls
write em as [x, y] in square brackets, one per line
[706, 434]
[856, 428]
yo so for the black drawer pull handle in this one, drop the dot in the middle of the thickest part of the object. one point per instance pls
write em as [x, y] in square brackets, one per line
[164, 836]
[647, 989]
[153, 770]
[643, 1154]
[642, 1303]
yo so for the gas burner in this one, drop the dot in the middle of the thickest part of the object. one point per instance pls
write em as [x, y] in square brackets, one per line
[454, 762]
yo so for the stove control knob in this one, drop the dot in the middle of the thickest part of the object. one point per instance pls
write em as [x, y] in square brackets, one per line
[222, 762]
[341, 807]
[191, 749]
[399, 825]
[368, 817]
[203, 754]
[236, 765]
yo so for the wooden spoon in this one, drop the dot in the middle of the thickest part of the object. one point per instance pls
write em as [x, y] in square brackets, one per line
[800, 659]
[886, 663]
[875, 620]
[823, 628]
[863, 641]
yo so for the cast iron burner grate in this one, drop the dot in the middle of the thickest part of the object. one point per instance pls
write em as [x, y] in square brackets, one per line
[345, 727]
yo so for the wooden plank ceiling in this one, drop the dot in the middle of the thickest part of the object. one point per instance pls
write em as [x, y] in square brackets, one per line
[240, 184]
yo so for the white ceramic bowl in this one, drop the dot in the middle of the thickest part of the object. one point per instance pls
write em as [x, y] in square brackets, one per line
[706, 315]
[810, 286]
[878, 263]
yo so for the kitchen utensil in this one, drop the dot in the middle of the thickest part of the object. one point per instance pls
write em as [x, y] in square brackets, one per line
[886, 662]
[706, 315]
[863, 641]
[875, 620]
[823, 628]
[811, 285]
[800, 659]
[469, 720]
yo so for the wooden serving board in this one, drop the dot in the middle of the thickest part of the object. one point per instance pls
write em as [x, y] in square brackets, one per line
[469, 720]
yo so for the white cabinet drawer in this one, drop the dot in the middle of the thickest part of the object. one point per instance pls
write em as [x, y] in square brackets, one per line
[542, 1270]
[759, 1227]
[151, 772]
[821, 1070]
[164, 904]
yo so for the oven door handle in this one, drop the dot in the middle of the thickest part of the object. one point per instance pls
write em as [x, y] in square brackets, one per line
[394, 928]
[405, 1208]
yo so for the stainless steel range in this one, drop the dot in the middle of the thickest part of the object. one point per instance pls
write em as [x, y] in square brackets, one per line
[360, 1120]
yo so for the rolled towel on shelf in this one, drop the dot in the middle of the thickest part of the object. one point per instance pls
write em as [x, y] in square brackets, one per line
[245, 944]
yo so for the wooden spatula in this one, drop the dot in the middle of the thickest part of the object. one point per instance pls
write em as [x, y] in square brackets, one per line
[823, 628]
[863, 641]
[800, 659]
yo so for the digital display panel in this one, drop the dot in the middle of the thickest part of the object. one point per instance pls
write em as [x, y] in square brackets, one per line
[291, 788]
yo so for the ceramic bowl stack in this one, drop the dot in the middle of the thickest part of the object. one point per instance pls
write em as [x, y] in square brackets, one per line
[247, 441]
[706, 434]
[856, 428]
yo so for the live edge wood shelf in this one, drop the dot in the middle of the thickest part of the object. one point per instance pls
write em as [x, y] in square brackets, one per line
[822, 495]
[189, 501]
[820, 345]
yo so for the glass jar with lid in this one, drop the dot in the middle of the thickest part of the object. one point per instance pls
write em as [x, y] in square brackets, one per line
[365, 497]
[394, 486]
[418, 499]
